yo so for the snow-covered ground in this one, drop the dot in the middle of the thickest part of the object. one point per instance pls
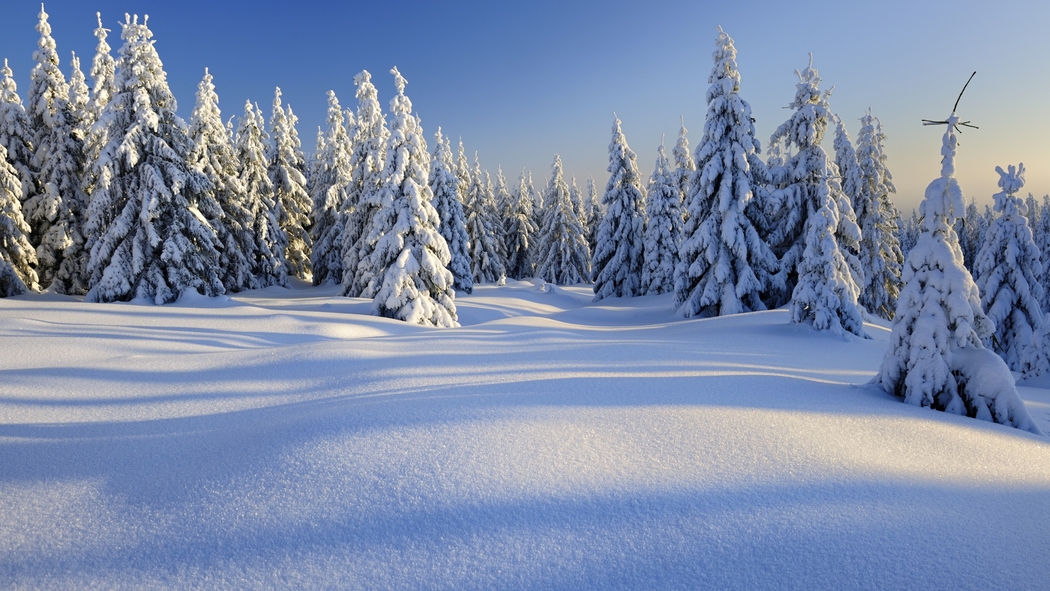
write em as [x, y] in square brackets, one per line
[286, 439]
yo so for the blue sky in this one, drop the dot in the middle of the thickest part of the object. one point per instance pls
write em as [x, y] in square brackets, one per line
[519, 82]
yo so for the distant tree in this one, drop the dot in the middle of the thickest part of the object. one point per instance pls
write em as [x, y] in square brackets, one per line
[562, 256]
[269, 266]
[846, 162]
[17, 258]
[909, 234]
[479, 209]
[410, 255]
[333, 174]
[595, 213]
[620, 253]
[445, 187]
[520, 232]
[663, 232]
[684, 166]
[103, 72]
[286, 174]
[15, 135]
[79, 102]
[152, 242]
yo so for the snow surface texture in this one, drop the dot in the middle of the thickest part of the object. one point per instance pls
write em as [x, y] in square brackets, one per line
[285, 438]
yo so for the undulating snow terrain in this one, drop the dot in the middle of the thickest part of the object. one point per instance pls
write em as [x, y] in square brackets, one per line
[284, 438]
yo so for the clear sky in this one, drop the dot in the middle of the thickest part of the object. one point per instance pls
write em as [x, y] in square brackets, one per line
[521, 81]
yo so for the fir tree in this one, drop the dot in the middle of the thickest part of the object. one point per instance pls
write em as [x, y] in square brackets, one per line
[333, 176]
[724, 265]
[152, 242]
[595, 213]
[880, 253]
[1010, 271]
[846, 162]
[55, 213]
[684, 166]
[410, 256]
[289, 183]
[520, 232]
[79, 101]
[445, 187]
[103, 72]
[971, 229]
[17, 258]
[267, 258]
[479, 209]
[15, 135]
[619, 254]
[663, 233]
[563, 257]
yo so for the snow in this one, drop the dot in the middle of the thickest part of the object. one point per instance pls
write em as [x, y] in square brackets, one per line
[285, 438]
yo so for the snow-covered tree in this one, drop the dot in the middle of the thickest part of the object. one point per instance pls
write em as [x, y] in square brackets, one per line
[803, 184]
[909, 234]
[267, 258]
[55, 214]
[663, 232]
[103, 72]
[479, 209]
[562, 256]
[684, 165]
[620, 250]
[724, 263]
[936, 344]
[971, 229]
[880, 253]
[595, 212]
[1010, 273]
[846, 162]
[520, 232]
[151, 240]
[367, 162]
[17, 258]
[15, 135]
[289, 184]
[79, 99]
[410, 256]
[445, 187]
[328, 194]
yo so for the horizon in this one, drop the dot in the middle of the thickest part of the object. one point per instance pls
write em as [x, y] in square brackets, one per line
[521, 83]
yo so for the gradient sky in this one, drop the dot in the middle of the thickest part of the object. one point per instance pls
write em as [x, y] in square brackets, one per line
[520, 82]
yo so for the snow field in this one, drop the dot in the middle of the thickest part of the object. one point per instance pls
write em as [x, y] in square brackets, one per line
[283, 438]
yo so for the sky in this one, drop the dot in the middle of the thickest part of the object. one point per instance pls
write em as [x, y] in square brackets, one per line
[519, 82]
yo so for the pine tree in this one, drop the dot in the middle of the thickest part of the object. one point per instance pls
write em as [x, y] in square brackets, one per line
[445, 187]
[15, 135]
[103, 72]
[289, 183]
[724, 265]
[152, 242]
[938, 326]
[846, 162]
[410, 256]
[684, 166]
[367, 162]
[595, 213]
[269, 266]
[225, 206]
[663, 233]
[971, 230]
[880, 252]
[1010, 271]
[333, 176]
[520, 232]
[17, 258]
[55, 213]
[563, 257]
[619, 254]
[479, 209]
[79, 101]
[501, 208]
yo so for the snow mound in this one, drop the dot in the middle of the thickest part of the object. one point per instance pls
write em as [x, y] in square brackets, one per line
[990, 389]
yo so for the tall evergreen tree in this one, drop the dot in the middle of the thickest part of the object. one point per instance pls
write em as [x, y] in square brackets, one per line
[520, 232]
[79, 102]
[289, 183]
[724, 265]
[663, 233]
[562, 257]
[15, 135]
[17, 258]
[334, 175]
[269, 266]
[445, 187]
[103, 73]
[684, 166]
[1010, 273]
[619, 253]
[152, 242]
[595, 213]
[880, 252]
[55, 214]
[410, 256]
[846, 162]
[479, 209]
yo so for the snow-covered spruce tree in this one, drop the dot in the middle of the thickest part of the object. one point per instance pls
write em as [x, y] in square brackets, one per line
[152, 242]
[495, 213]
[103, 72]
[520, 232]
[289, 185]
[269, 266]
[444, 185]
[620, 250]
[805, 182]
[880, 253]
[846, 162]
[367, 161]
[1010, 273]
[539, 208]
[79, 101]
[328, 194]
[562, 256]
[485, 260]
[935, 347]
[971, 229]
[663, 232]
[684, 165]
[15, 135]
[410, 256]
[576, 197]
[724, 263]
[909, 234]
[55, 214]
[225, 206]
[17, 257]
[594, 215]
